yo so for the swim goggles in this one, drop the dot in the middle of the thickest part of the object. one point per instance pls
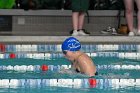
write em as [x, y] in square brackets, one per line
[64, 52]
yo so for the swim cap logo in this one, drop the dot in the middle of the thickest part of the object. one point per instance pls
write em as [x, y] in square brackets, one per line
[73, 44]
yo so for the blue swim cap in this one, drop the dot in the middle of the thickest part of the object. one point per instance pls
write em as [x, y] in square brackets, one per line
[71, 44]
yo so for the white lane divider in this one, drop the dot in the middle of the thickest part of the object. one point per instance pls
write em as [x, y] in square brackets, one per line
[76, 83]
[119, 67]
[24, 68]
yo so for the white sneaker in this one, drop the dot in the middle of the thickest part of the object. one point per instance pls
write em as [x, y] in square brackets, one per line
[138, 33]
[83, 33]
[131, 33]
[114, 32]
[75, 33]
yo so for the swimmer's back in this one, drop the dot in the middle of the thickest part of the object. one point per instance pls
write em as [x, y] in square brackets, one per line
[86, 65]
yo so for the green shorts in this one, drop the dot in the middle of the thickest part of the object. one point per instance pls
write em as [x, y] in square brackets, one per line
[80, 5]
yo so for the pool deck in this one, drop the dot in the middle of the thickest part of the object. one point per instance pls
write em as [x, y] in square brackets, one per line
[59, 39]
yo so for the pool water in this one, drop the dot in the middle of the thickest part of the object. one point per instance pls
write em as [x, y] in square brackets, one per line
[38, 74]
[118, 71]
[34, 71]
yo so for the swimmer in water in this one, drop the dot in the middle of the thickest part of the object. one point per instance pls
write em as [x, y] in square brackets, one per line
[80, 61]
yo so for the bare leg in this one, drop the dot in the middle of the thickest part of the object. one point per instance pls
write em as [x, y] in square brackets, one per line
[81, 20]
[75, 16]
[138, 15]
[129, 8]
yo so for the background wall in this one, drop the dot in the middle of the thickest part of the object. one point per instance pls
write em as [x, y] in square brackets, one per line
[53, 17]
[59, 4]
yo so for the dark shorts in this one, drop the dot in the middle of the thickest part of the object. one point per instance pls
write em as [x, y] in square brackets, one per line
[80, 5]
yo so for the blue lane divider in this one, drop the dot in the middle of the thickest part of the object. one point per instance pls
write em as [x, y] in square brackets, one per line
[57, 47]
[126, 55]
[24, 68]
[76, 83]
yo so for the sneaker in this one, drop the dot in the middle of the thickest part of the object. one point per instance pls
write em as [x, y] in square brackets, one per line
[107, 31]
[74, 33]
[138, 33]
[131, 33]
[71, 32]
[83, 32]
[114, 31]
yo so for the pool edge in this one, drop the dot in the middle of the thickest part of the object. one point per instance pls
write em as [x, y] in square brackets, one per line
[59, 39]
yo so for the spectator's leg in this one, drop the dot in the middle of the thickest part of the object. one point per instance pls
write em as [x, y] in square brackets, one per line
[81, 23]
[129, 8]
[75, 20]
[138, 15]
[81, 20]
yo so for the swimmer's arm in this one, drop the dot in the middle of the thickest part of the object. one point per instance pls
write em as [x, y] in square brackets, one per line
[73, 65]
[67, 71]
